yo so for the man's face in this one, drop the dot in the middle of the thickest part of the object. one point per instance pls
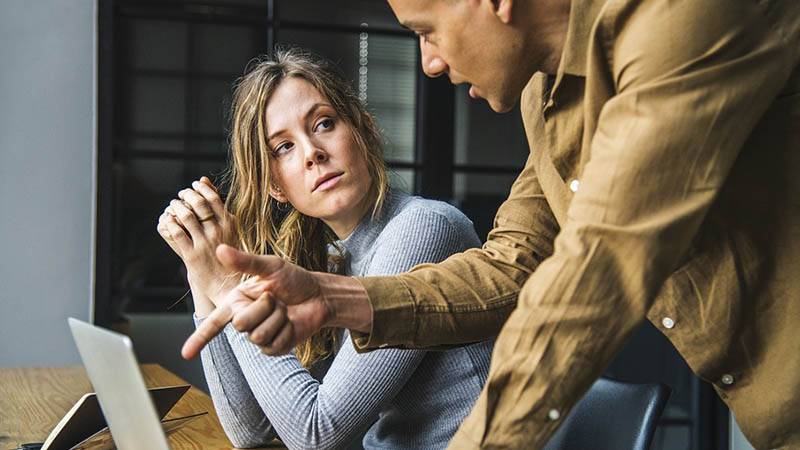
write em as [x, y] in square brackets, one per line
[467, 41]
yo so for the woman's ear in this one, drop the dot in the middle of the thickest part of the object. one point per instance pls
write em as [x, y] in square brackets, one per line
[276, 193]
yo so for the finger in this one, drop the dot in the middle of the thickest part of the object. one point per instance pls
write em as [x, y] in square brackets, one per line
[205, 180]
[197, 203]
[205, 332]
[178, 234]
[169, 214]
[267, 328]
[210, 194]
[253, 287]
[263, 265]
[282, 343]
[187, 219]
[164, 231]
[251, 316]
[161, 227]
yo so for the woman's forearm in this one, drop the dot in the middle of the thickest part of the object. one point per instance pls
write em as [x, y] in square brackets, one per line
[203, 306]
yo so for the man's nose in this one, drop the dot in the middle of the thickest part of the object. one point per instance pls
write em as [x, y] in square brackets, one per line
[432, 64]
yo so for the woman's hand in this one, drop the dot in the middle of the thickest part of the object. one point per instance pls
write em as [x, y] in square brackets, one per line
[282, 305]
[257, 307]
[194, 225]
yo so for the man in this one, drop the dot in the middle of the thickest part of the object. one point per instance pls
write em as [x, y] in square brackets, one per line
[661, 183]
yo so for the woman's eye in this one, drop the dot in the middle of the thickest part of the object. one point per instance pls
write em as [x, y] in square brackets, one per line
[283, 148]
[326, 124]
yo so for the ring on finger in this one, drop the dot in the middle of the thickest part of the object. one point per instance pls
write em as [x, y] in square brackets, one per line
[208, 217]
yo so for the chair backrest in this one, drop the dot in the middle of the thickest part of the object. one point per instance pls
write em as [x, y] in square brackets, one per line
[613, 415]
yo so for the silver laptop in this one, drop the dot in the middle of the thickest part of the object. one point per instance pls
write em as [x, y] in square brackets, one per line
[121, 391]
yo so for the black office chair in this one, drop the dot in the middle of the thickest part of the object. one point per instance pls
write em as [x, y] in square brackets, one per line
[612, 416]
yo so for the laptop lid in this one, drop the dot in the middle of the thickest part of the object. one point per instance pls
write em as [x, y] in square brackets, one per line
[118, 382]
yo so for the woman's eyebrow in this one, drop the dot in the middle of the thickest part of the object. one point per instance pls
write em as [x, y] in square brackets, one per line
[308, 114]
[314, 108]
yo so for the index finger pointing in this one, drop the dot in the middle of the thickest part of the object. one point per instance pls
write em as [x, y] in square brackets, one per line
[205, 332]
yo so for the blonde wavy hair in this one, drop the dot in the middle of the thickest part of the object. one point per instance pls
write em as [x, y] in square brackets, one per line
[263, 228]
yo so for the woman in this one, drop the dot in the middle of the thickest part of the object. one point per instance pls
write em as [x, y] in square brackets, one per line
[306, 149]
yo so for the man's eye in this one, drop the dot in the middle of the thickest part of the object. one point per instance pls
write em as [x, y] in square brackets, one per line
[326, 124]
[283, 148]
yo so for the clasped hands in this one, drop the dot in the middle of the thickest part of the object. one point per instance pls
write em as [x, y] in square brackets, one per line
[194, 225]
[279, 306]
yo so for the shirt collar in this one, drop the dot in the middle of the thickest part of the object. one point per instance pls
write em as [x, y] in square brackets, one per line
[582, 16]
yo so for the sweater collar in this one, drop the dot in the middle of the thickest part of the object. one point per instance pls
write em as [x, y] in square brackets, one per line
[365, 233]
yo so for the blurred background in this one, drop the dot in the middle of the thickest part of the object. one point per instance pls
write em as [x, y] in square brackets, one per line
[110, 107]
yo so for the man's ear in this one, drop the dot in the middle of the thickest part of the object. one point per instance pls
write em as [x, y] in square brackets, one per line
[276, 193]
[502, 9]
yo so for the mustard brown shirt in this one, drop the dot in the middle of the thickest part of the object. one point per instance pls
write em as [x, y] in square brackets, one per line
[663, 181]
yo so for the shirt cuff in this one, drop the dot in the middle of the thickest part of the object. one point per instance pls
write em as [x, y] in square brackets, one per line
[392, 304]
[461, 441]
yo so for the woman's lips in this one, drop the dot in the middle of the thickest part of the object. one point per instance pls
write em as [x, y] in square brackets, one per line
[472, 92]
[329, 183]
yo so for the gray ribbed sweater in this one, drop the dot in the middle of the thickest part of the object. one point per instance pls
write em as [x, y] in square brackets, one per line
[403, 399]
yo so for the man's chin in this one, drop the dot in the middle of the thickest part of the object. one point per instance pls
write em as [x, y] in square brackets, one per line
[501, 106]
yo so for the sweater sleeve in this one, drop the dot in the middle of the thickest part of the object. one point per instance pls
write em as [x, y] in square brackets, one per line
[307, 413]
[242, 418]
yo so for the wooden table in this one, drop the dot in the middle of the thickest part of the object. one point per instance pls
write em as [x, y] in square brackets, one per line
[33, 400]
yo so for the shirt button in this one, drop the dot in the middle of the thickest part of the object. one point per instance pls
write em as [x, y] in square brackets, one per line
[668, 322]
[727, 379]
[553, 414]
[574, 185]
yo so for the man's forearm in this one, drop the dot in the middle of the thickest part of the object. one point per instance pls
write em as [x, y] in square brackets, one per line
[347, 301]
[464, 299]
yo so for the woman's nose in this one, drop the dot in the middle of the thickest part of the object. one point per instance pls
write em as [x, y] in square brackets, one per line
[315, 156]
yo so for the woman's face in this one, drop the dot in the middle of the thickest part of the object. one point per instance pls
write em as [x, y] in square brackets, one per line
[316, 163]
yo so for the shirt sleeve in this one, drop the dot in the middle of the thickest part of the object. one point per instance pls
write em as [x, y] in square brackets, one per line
[685, 88]
[305, 412]
[467, 297]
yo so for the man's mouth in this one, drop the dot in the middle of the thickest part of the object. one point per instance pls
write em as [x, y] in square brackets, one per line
[473, 93]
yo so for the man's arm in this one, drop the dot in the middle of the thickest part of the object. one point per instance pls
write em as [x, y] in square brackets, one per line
[466, 298]
[685, 87]
[282, 305]
[469, 296]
